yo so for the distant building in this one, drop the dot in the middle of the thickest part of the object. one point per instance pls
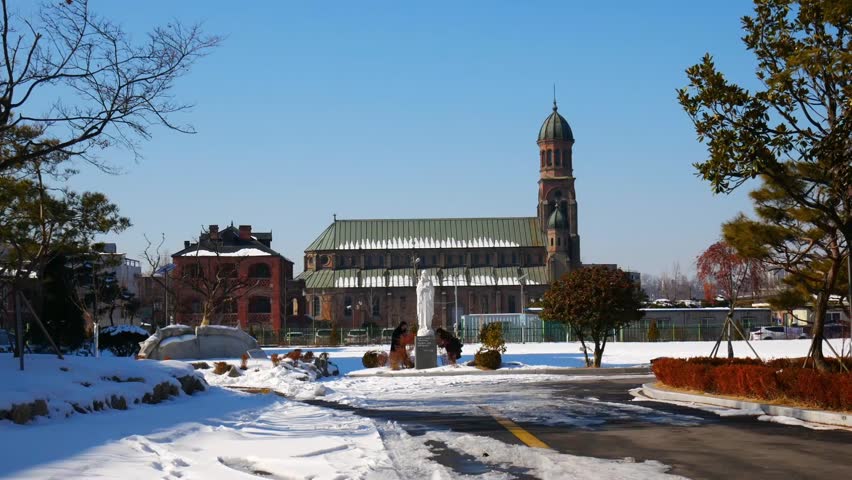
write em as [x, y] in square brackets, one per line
[691, 324]
[240, 257]
[359, 271]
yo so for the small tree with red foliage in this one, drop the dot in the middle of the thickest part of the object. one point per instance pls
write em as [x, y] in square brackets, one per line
[593, 302]
[727, 274]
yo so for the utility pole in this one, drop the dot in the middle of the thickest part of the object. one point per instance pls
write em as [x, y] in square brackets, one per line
[523, 308]
[456, 306]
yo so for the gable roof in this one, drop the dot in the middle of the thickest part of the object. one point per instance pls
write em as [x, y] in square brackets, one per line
[381, 234]
[231, 245]
[406, 277]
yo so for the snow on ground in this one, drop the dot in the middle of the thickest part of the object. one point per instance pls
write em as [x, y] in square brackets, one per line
[81, 380]
[521, 398]
[295, 380]
[222, 434]
[568, 354]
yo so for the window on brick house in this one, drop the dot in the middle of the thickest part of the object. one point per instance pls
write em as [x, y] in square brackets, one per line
[317, 311]
[260, 270]
[226, 270]
[193, 271]
[260, 305]
[195, 306]
[229, 305]
[512, 304]
[347, 306]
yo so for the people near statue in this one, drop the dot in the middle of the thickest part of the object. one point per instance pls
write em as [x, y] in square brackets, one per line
[398, 354]
[396, 336]
[450, 343]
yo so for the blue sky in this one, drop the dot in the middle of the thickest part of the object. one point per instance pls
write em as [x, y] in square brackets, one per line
[384, 109]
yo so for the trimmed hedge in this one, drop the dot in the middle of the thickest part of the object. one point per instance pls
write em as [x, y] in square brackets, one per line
[490, 359]
[782, 380]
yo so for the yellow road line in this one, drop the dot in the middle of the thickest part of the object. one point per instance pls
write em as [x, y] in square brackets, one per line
[528, 438]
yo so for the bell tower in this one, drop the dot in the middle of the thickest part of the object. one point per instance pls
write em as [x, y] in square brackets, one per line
[557, 201]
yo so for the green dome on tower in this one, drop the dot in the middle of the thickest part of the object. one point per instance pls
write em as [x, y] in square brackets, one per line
[557, 219]
[555, 127]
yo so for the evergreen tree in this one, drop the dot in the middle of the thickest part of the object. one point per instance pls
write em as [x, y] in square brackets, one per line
[794, 131]
[60, 315]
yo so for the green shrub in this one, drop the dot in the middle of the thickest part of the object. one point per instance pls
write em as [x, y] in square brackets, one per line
[122, 341]
[491, 338]
[490, 359]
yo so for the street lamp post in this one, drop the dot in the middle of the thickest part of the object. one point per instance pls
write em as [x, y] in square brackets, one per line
[456, 305]
[523, 308]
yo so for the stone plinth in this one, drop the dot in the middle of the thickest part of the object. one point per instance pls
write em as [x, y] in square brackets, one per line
[425, 351]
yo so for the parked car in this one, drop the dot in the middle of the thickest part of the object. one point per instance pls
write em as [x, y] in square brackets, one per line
[776, 333]
[357, 336]
[385, 336]
[835, 330]
[295, 337]
[323, 336]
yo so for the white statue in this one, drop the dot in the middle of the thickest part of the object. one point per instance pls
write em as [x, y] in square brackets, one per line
[425, 304]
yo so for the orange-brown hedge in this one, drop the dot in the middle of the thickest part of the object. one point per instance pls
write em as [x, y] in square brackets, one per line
[776, 380]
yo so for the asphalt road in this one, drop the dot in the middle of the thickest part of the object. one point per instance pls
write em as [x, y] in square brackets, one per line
[712, 447]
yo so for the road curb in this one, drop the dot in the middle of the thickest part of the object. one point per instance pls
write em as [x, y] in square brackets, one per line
[807, 415]
[570, 371]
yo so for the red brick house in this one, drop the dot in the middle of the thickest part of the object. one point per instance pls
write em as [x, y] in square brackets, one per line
[235, 278]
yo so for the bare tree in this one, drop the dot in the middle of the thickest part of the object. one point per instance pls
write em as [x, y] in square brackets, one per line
[728, 274]
[159, 263]
[214, 277]
[101, 88]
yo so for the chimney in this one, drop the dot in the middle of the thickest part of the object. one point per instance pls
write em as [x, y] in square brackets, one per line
[186, 244]
[214, 232]
[245, 232]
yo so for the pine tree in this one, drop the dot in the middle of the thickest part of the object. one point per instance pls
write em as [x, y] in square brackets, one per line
[60, 315]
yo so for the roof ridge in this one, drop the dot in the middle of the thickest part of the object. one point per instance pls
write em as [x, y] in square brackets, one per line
[427, 219]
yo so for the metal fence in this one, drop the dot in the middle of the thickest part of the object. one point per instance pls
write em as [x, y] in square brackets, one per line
[676, 331]
[517, 328]
[533, 331]
[318, 337]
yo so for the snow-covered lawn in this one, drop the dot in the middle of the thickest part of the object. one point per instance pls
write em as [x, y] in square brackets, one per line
[78, 382]
[617, 354]
[227, 435]
[223, 434]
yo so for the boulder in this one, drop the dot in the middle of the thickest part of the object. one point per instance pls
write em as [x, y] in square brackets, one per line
[182, 342]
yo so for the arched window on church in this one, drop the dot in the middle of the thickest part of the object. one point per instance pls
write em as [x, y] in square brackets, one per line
[542, 159]
[550, 158]
[551, 241]
[557, 158]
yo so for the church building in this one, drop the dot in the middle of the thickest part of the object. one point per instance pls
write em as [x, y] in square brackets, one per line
[358, 271]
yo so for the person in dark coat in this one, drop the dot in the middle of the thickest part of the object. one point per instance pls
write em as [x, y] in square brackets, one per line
[396, 336]
[450, 343]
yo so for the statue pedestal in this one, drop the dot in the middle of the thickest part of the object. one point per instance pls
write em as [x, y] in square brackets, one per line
[425, 351]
